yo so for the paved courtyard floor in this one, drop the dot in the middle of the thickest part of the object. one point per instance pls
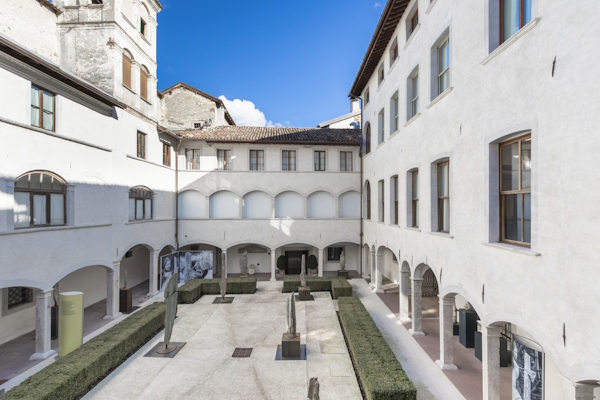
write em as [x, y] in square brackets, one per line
[204, 368]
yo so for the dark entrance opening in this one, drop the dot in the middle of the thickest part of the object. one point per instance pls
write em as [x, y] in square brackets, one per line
[294, 261]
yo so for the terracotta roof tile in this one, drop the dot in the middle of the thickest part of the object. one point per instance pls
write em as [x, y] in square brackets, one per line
[253, 134]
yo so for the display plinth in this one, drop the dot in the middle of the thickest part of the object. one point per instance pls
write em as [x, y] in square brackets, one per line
[290, 347]
[226, 300]
[467, 327]
[162, 351]
[125, 299]
[304, 294]
[343, 273]
[455, 329]
[70, 322]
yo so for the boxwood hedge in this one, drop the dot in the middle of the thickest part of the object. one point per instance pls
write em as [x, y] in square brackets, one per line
[73, 375]
[193, 289]
[380, 373]
[339, 287]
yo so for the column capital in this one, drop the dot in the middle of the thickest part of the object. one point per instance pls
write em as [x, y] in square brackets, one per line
[493, 331]
[117, 264]
[405, 273]
[576, 391]
[417, 280]
[447, 301]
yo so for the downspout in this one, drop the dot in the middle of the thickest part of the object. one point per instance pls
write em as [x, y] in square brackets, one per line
[361, 193]
[177, 194]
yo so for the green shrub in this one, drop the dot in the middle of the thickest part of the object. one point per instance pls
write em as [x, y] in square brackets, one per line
[73, 375]
[189, 292]
[340, 287]
[312, 262]
[282, 262]
[234, 286]
[380, 373]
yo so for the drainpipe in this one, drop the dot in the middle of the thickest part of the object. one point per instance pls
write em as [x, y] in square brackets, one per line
[177, 194]
[361, 193]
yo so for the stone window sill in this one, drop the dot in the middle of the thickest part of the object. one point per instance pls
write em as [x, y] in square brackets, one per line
[439, 97]
[50, 229]
[430, 6]
[145, 101]
[141, 221]
[128, 88]
[147, 161]
[513, 248]
[396, 132]
[510, 41]
[393, 65]
[410, 121]
[413, 228]
[413, 34]
[442, 234]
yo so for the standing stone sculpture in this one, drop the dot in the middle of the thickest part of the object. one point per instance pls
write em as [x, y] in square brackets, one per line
[2, 394]
[244, 265]
[303, 273]
[291, 317]
[223, 280]
[290, 340]
[171, 312]
[313, 389]
[303, 290]
[125, 279]
[342, 261]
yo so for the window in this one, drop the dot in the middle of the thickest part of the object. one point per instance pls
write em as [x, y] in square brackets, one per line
[443, 59]
[144, 84]
[394, 199]
[96, 1]
[39, 200]
[197, 125]
[415, 198]
[142, 26]
[345, 161]
[443, 169]
[334, 253]
[368, 138]
[320, 160]
[192, 158]
[394, 52]
[141, 145]
[18, 296]
[413, 22]
[381, 201]
[381, 126]
[126, 71]
[394, 123]
[288, 160]
[367, 96]
[257, 160]
[515, 191]
[224, 160]
[514, 14]
[167, 154]
[380, 75]
[140, 203]
[368, 196]
[415, 96]
[42, 108]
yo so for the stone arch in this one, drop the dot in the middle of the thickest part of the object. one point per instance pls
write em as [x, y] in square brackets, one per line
[320, 204]
[256, 204]
[224, 204]
[191, 204]
[349, 204]
[289, 204]
[30, 283]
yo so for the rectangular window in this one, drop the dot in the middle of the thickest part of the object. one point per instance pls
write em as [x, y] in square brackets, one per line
[443, 197]
[345, 161]
[126, 71]
[143, 85]
[367, 97]
[224, 160]
[192, 158]
[368, 200]
[395, 198]
[288, 160]
[381, 126]
[444, 65]
[257, 160]
[381, 201]
[42, 108]
[334, 253]
[166, 154]
[415, 95]
[368, 138]
[320, 160]
[394, 123]
[142, 27]
[141, 145]
[414, 21]
[18, 296]
[515, 191]
[381, 75]
[394, 52]
[415, 199]
[514, 14]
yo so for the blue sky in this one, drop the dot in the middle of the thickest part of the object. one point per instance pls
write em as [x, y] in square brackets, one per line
[292, 60]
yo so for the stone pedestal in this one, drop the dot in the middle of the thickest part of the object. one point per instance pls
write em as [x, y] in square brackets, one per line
[343, 273]
[467, 328]
[290, 347]
[125, 300]
[303, 294]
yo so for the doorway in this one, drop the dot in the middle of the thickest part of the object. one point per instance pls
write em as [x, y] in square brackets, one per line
[294, 261]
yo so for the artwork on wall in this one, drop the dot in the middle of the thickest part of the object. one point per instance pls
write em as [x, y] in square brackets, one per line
[528, 370]
[188, 264]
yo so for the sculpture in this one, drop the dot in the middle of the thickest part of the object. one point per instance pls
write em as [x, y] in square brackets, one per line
[342, 261]
[2, 394]
[223, 280]
[125, 279]
[290, 340]
[313, 389]
[303, 273]
[171, 308]
[291, 317]
[244, 265]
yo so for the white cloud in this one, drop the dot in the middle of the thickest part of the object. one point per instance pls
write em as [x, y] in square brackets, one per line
[378, 4]
[245, 113]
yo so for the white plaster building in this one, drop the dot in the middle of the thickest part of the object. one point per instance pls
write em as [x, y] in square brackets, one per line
[93, 159]
[346, 121]
[457, 99]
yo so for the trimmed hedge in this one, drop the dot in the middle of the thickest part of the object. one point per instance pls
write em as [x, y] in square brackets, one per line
[73, 375]
[380, 373]
[193, 289]
[339, 287]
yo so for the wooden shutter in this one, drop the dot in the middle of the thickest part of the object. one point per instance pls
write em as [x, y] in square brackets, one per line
[126, 71]
[143, 85]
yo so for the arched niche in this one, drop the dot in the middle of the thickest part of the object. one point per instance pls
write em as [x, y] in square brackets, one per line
[289, 205]
[256, 204]
[349, 205]
[320, 205]
[191, 204]
[224, 204]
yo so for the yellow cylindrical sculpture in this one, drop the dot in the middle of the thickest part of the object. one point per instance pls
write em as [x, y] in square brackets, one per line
[70, 322]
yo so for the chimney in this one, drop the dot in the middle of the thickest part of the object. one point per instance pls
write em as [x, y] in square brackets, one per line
[354, 105]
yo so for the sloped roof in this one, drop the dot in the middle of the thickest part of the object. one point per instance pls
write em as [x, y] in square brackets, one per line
[218, 101]
[383, 33]
[338, 119]
[253, 134]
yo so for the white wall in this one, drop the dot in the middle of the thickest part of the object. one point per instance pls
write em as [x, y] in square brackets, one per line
[137, 266]
[192, 204]
[289, 205]
[91, 281]
[262, 261]
[224, 204]
[256, 204]
[349, 205]
[320, 205]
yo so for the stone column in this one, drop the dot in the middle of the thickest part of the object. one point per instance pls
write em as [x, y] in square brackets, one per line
[112, 291]
[490, 352]
[207, 208]
[417, 323]
[446, 361]
[305, 206]
[404, 294]
[43, 349]
[153, 271]
[577, 391]
[378, 273]
[154, 203]
[70, 217]
[272, 207]
[365, 263]
[273, 265]
[371, 266]
[10, 201]
[321, 262]
[241, 208]
[336, 209]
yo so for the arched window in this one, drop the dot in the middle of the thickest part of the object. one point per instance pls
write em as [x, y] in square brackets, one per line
[127, 58]
[144, 82]
[39, 200]
[368, 138]
[140, 203]
[368, 200]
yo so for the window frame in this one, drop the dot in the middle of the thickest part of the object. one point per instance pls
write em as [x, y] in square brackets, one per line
[287, 168]
[144, 76]
[368, 138]
[395, 199]
[380, 74]
[395, 115]
[41, 92]
[446, 70]
[415, 199]
[194, 151]
[336, 255]
[127, 72]
[381, 126]
[141, 145]
[415, 99]
[394, 52]
[16, 308]
[346, 155]
[43, 192]
[259, 167]
[226, 166]
[143, 26]
[414, 22]
[441, 198]
[381, 187]
[522, 192]
[150, 197]
[166, 154]
[521, 19]
[368, 195]
[323, 167]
